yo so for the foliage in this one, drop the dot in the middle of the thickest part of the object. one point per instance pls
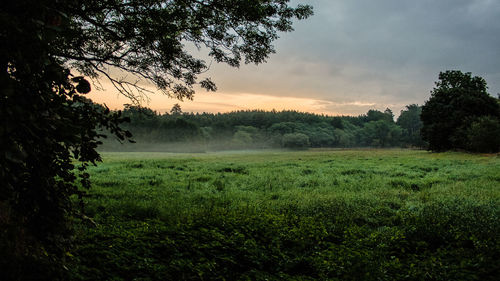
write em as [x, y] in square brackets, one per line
[410, 123]
[484, 134]
[247, 137]
[47, 123]
[261, 129]
[375, 115]
[148, 39]
[295, 141]
[302, 215]
[381, 133]
[242, 138]
[457, 100]
[176, 109]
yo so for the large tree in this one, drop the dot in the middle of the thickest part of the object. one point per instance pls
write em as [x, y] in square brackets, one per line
[456, 102]
[49, 49]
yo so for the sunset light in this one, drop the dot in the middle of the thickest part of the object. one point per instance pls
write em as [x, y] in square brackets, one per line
[249, 140]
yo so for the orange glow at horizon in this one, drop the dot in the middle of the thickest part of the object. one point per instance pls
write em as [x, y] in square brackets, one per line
[214, 102]
[217, 102]
[226, 102]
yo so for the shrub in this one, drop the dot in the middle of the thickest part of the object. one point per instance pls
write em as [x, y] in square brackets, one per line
[295, 141]
[484, 134]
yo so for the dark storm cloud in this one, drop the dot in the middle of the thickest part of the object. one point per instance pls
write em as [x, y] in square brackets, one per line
[398, 33]
[387, 52]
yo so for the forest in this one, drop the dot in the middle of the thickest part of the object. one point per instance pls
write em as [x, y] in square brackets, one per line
[72, 208]
[257, 129]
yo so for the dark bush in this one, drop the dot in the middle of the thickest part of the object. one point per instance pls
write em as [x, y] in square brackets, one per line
[296, 141]
[483, 134]
[457, 100]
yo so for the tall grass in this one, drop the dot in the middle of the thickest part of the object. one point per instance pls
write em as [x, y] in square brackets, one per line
[339, 214]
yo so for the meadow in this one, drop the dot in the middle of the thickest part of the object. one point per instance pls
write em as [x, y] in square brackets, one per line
[291, 215]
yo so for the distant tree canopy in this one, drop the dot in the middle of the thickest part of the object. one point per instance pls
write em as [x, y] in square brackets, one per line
[272, 129]
[458, 114]
[476, 131]
[410, 123]
[295, 141]
[46, 122]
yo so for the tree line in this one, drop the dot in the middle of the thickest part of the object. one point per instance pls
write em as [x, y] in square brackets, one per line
[275, 129]
[459, 115]
[50, 132]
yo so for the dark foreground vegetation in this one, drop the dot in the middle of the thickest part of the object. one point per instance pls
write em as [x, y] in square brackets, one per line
[316, 215]
[50, 131]
[49, 49]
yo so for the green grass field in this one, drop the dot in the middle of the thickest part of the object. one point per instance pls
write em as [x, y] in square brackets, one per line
[306, 215]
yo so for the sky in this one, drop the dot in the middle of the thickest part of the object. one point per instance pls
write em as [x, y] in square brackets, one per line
[352, 56]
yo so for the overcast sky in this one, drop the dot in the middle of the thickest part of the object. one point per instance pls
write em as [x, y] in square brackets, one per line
[360, 54]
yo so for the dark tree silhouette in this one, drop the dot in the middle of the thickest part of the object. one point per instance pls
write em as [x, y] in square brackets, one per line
[409, 121]
[176, 109]
[457, 100]
[46, 49]
[483, 134]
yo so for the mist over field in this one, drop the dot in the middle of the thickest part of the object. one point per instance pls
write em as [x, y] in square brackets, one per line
[182, 147]
[352, 140]
[258, 129]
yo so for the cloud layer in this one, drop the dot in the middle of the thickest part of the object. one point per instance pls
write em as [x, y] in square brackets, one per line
[360, 54]
[386, 52]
